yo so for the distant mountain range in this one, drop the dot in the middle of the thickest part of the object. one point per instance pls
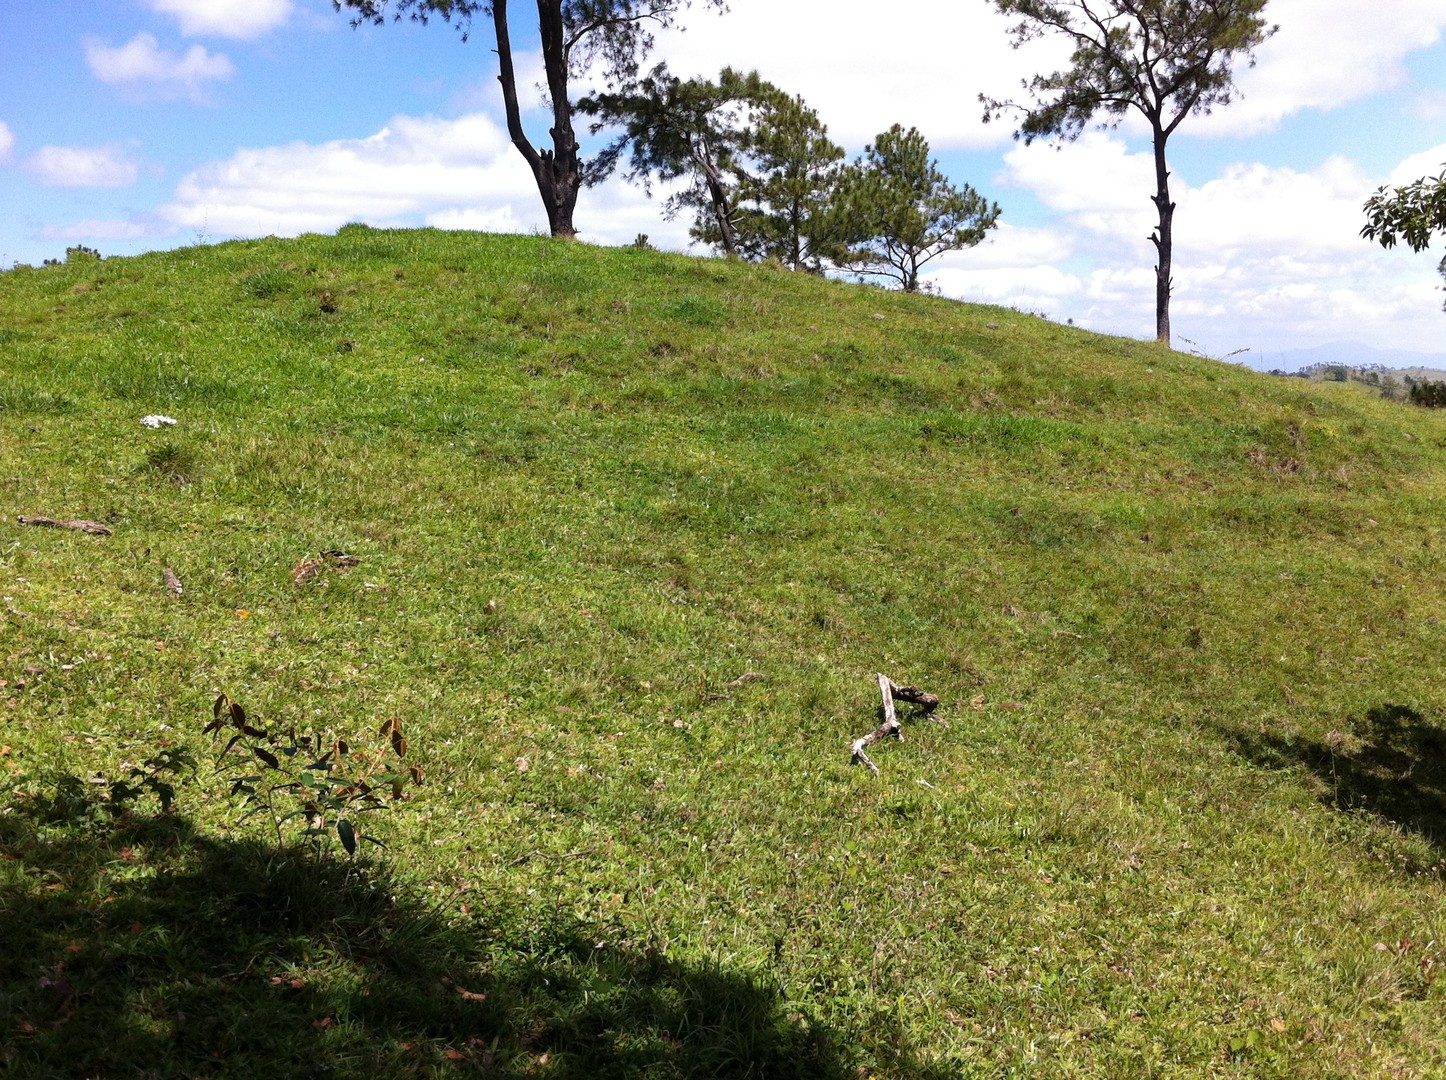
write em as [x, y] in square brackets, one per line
[1351, 354]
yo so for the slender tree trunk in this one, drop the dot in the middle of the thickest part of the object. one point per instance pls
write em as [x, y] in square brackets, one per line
[722, 212]
[557, 171]
[800, 245]
[1163, 238]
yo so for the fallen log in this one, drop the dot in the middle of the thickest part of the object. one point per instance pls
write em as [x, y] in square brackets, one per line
[95, 528]
[888, 691]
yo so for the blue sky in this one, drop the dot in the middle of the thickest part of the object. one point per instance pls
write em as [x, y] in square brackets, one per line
[131, 125]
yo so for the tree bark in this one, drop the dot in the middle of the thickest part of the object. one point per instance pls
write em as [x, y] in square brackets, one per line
[722, 212]
[557, 171]
[1163, 238]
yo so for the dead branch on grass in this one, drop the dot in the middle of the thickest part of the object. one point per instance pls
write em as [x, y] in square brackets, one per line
[537, 854]
[308, 568]
[736, 684]
[95, 528]
[888, 691]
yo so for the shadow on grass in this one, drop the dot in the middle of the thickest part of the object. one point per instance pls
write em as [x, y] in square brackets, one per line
[1390, 763]
[145, 949]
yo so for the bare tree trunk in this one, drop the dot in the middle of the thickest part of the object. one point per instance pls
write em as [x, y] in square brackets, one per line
[722, 212]
[557, 171]
[1163, 238]
[911, 272]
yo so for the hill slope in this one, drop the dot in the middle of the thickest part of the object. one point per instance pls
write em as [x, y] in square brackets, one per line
[1187, 816]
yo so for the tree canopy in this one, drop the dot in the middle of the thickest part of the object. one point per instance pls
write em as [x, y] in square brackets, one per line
[1164, 59]
[576, 36]
[900, 211]
[1413, 213]
[672, 129]
[786, 183]
[763, 166]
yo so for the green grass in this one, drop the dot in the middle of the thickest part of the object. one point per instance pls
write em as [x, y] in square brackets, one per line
[1187, 817]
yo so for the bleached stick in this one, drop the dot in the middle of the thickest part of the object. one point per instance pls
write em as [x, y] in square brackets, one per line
[888, 690]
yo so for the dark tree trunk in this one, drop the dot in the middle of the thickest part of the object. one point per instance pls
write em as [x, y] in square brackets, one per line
[722, 212]
[557, 171]
[1163, 238]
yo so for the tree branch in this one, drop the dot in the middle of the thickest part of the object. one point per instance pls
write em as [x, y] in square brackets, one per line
[888, 691]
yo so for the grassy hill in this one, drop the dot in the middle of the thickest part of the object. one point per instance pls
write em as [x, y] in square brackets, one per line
[1185, 816]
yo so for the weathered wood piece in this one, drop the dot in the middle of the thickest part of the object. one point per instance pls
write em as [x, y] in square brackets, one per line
[95, 528]
[738, 683]
[744, 679]
[538, 854]
[888, 691]
[308, 568]
[929, 702]
[173, 583]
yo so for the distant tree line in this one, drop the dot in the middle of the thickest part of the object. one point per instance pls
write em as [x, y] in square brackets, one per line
[1428, 393]
[1393, 384]
[77, 253]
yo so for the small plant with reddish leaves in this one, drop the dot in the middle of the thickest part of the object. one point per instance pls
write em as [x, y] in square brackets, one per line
[323, 783]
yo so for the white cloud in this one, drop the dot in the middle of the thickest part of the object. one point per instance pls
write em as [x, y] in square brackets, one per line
[1310, 216]
[413, 170]
[83, 167]
[1095, 179]
[1326, 54]
[924, 64]
[1103, 191]
[142, 67]
[616, 213]
[225, 18]
[448, 174]
[1009, 245]
[1016, 267]
[7, 141]
[496, 219]
[1430, 107]
[101, 229]
[1427, 163]
[1029, 288]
